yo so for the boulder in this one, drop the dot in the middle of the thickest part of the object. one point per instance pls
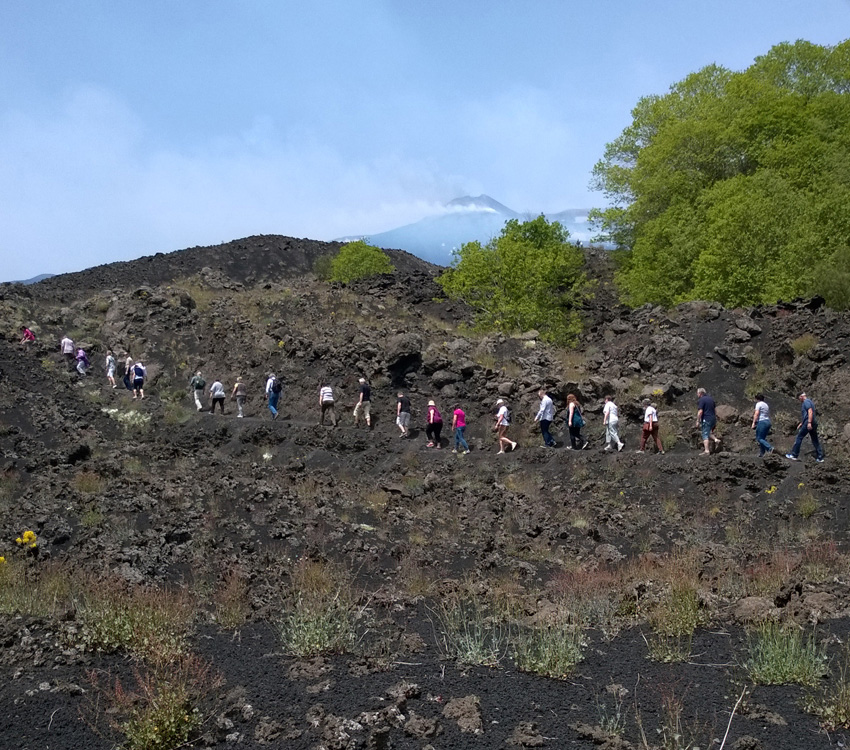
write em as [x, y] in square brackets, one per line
[746, 323]
[727, 414]
[754, 609]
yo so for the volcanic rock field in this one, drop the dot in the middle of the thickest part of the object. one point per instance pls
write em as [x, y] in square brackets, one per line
[203, 580]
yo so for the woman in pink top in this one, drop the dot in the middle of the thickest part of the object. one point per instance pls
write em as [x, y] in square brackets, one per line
[459, 425]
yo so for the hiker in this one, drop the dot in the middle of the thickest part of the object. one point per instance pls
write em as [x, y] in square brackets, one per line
[575, 421]
[611, 420]
[139, 375]
[66, 346]
[198, 384]
[110, 368]
[217, 396]
[459, 427]
[272, 393]
[82, 361]
[239, 394]
[762, 424]
[546, 415]
[808, 426]
[326, 404]
[403, 414]
[433, 426]
[27, 336]
[503, 421]
[364, 404]
[707, 420]
[650, 427]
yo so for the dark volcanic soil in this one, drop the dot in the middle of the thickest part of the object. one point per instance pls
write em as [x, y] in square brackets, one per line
[247, 517]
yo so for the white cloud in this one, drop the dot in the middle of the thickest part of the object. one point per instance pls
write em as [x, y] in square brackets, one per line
[87, 184]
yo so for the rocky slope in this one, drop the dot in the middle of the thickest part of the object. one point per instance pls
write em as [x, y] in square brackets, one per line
[247, 519]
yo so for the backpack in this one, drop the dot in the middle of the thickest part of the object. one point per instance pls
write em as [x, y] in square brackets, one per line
[138, 372]
[200, 384]
[277, 386]
[578, 419]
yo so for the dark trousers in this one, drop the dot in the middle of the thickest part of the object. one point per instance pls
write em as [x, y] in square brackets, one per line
[328, 406]
[650, 432]
[548, 440]
[220, 402]
[813, 434]
[433, 430]
[576, 440]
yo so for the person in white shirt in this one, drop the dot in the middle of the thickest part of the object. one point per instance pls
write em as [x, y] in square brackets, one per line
[273, 389]
[546, 415]
[503, 421]
[68, 352]
[326, 404]
[611, 420]
[650, 427]
[762, 424]
[217, 396]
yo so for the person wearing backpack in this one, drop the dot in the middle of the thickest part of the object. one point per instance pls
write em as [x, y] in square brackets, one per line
[575, 421]
[503, 421]
[273, 390]
[139, 375]
[82, 361]
[433, 425]
[198, 384]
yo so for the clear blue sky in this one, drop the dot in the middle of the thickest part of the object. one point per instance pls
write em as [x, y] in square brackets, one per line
[132, 128]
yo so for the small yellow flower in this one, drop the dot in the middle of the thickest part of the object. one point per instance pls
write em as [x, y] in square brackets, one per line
[770, 490]
[19, 541]
[29, 536]
[2, 560]
[801, 485]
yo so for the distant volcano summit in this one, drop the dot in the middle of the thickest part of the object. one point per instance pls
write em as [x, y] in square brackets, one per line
[464, 220]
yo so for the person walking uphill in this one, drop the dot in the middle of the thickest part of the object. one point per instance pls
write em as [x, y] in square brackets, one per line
[707, 420]
[110, 368]
[217, 396]
[82, 361]
[326, 404]
[198, 385]
[459, 427]
[66, 346]
[364, 404]
[650, 427]
[239, 394]
[611, 420]
[762, 424]
[503, 421]
[433, 425]
[808, 426]
[139, 374]
[546, 415]
[403, 414]
[273, 389]
[575, 421]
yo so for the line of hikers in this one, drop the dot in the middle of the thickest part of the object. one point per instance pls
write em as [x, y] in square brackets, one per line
[135, 374]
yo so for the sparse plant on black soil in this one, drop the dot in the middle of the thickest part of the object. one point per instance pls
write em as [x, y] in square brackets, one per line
[552, 651]
[674, 620]
[804, 344]
[468, 632]
[781, 654]
[831, 701]
[39, 591]
[231, 599]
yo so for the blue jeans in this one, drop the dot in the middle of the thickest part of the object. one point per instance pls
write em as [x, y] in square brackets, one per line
[273, 399]
[801, 433]
[544, 430]
[459, 441]
[762, 429]
[707, 426]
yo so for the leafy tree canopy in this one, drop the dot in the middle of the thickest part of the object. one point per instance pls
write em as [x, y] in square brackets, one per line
[734, 186]
[357, 260]
[529, 277]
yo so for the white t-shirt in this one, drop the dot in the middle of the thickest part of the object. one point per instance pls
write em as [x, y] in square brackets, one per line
[650, 415]
[763, 411]
[612, 412]
[217, 390]
[502, 416]
[327, 394]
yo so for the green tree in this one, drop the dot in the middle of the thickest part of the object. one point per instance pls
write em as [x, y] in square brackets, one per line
[730, 186]
[357, 260]
[528, 277]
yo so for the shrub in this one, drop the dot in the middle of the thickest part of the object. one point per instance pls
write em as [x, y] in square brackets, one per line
[804, 344]
[468, 633]
[530, 277]
[780, 654]
[673, 622]
[323, 267]
[357, 260]
[32, 591]
[831, 703]
[832, 280]
[552, 651]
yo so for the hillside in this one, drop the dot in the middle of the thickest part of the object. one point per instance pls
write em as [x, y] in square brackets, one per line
[281, 584]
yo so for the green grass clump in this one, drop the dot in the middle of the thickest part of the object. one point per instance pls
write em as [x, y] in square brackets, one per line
[780, 654]
[468, 633]
[804, 344]
[552, 651]
[25, 590]
[831, 703]
[326, 626]
[673, 623]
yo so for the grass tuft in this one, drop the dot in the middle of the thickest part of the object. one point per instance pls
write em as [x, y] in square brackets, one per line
[552, 651]
[780, 654]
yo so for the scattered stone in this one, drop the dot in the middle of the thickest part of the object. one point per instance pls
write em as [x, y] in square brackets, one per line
[466, 712]
[525, 734]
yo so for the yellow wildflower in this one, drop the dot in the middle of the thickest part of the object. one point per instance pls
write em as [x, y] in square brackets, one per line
[19, 541]
[2, 560]
[29, 537]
